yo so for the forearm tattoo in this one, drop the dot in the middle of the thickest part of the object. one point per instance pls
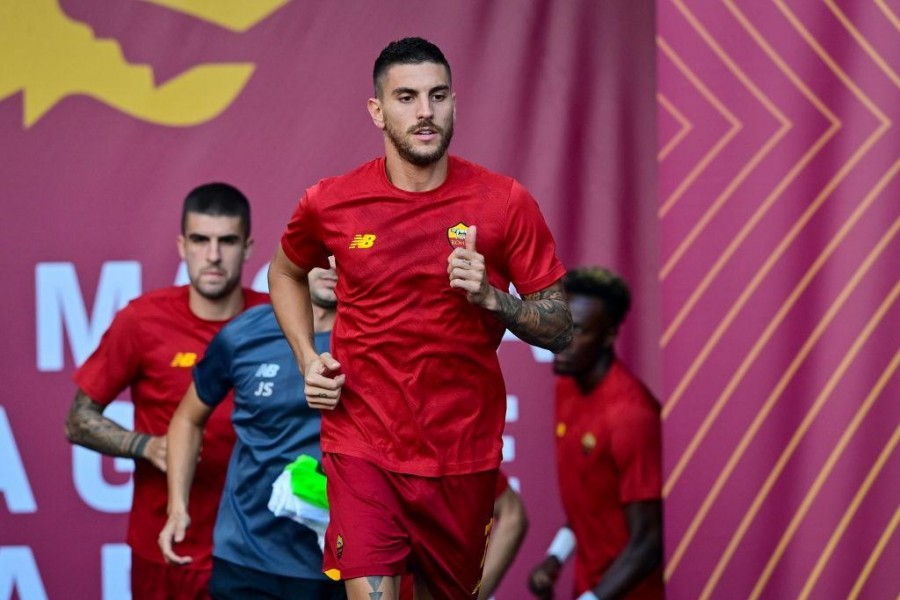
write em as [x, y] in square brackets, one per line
[541, 319]
[86, 426]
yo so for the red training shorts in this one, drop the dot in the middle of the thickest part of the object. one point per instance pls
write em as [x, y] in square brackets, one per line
[385, 523]
[152, 580]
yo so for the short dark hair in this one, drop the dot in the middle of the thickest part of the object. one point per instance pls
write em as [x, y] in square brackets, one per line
[602, 283]
[408, 51]
[217, 200]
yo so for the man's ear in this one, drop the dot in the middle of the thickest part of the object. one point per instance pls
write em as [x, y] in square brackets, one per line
[374, 106]
[248, 249]
[179, 241]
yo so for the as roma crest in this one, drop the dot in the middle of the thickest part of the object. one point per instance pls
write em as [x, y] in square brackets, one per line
[456, 235]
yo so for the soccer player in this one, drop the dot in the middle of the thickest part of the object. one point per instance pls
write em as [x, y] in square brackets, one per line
[426, 245]
[608, 455]
[255, 553]
[150, 347]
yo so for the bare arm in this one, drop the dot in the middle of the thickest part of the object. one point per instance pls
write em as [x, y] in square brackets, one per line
[510, 526]
[541, 319]
[184, 439]
[86, 426]
[641, 555]
[289, 292]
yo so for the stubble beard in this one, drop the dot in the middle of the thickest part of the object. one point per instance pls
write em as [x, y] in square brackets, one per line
[409, 154]
[218, 292]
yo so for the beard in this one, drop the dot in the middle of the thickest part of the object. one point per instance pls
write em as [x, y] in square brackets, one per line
[417, 157]
[322, 302]
[215, 292]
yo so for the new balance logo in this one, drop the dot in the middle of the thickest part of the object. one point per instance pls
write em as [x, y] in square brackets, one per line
[362, 240]
[184, 359]
[267, 370]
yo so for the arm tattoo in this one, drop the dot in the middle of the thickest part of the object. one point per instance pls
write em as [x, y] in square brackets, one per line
[541, 319]
[86, 426]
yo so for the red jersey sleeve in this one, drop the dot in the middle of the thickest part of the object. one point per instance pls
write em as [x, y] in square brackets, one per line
[301, 241]
[115, 363]
[533, 264]
[635, 434]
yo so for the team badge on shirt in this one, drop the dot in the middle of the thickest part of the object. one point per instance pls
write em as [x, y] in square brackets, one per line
[456, 235]
[339, 546]
[588, 442]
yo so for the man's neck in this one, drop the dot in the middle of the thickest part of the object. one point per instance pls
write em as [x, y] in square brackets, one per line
[220, 309]
[589, 380]
[323, 318]
[413, 178]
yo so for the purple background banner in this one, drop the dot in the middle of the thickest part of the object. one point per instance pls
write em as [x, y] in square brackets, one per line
[741, 172]
[779, 215]
[111, 111]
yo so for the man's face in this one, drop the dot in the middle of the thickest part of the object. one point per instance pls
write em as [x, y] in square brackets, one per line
[321, 286]
[592, 335]
[214, 249]
[416, 111]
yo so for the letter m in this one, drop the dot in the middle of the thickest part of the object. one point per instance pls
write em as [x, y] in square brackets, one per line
[60, 306]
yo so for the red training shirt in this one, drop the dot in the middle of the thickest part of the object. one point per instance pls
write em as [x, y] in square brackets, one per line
[608, 454]
[151, 347]
[424, 394]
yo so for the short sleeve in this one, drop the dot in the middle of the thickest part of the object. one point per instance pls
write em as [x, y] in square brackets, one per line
[533, 263]
[115, 364]
[635, 433]
[301, 240]
[213, 375]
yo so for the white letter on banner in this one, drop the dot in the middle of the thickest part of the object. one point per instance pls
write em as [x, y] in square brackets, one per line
[19, 572]
[60, 304]
[115, 561]
[261, 281]
[13, 479]
[87, 469]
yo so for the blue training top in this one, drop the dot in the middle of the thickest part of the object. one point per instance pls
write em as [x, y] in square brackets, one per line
[273, 425]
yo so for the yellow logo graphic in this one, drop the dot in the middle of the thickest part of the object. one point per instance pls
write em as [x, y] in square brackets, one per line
[364, 240]
[560, 429]
[456, 235]
[184, 359]
[49, 56]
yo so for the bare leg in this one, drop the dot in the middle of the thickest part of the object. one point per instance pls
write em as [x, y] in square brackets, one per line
[376, 587]
[421, 590]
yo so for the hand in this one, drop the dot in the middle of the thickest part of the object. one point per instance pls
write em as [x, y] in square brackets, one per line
[173, 533]
[323, 382]
[467, 272]
[155, 451]
[543, 577]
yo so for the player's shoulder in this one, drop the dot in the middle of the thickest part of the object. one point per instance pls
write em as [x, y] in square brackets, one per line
[253, 298]
[159, 300]
[364, 175]
[254, 316]
[465, 170]
[629, 389]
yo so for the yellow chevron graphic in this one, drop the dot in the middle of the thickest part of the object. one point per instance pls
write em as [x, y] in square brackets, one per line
[817, 485]
[236, 15]
[885, 536]
[735, 126]
[686, 126]
[48, 56]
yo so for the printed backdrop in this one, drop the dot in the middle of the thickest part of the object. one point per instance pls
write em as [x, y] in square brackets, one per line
[779, 208]
[762, 261]
[111, 110]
